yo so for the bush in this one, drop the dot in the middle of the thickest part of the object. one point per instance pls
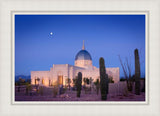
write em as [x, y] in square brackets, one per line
[41, 90]
[97, 84]
[122, 79]
[55, 91]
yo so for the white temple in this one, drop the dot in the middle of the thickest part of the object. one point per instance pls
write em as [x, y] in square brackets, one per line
[60, 72]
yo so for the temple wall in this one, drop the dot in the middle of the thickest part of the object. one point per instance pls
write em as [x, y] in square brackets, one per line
[94, 73]
[60, 70]
[114, 72]
[41, 75]
[66, 70]
[83, 63]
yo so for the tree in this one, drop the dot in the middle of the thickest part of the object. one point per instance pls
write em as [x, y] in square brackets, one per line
[68, 81]
[111, 79]
[74, 81]
[127, 68]
[122, 79]
[20, 81]
[85, 81]
[28, 88]
[38, 79]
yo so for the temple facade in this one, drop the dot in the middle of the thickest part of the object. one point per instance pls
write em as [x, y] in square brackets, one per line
[59, 73]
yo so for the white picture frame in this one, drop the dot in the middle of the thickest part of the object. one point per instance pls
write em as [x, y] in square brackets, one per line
[7, 107]
[13, 13]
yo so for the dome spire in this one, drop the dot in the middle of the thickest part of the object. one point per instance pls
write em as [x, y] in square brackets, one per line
[83, 47]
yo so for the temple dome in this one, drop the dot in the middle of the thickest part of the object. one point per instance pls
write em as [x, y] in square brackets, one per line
[83, 58]
[83, 55]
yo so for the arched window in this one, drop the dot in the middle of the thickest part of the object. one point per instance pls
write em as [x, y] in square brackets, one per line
[42, 81]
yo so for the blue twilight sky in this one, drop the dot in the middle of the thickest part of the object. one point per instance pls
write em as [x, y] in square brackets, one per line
[105, 36]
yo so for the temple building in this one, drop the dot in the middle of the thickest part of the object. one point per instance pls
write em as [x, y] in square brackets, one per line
[60, 72]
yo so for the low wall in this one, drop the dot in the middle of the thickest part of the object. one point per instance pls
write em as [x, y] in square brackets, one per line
[119, 88]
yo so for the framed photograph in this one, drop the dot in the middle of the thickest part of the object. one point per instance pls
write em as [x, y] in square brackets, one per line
[83, 58]
[60, 83]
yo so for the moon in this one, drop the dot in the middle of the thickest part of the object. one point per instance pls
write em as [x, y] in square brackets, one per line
[51, 33]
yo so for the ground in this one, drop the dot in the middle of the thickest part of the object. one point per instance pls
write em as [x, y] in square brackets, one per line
[71, 96]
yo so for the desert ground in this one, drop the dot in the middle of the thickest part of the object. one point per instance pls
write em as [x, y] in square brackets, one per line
[70, 95]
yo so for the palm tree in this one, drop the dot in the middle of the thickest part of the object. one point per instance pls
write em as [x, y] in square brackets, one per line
[38, 79]
[20, 81]
[68, 81]
[85, 81]
[90, 82]
[74, 82]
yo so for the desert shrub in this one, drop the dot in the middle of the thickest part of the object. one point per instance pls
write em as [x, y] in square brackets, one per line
[41, 90]
[125, 91]
[97, 84]
[55, 91]
[110, 78]
[122, 79]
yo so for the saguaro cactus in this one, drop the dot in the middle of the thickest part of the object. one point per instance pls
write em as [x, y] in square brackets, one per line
[79, 84]
[103, 80]
[137, 72]
[107, 83]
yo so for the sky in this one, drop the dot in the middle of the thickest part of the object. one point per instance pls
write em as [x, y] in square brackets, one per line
[107, 36]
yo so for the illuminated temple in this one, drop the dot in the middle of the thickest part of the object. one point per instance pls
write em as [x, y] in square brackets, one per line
[60, 72]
